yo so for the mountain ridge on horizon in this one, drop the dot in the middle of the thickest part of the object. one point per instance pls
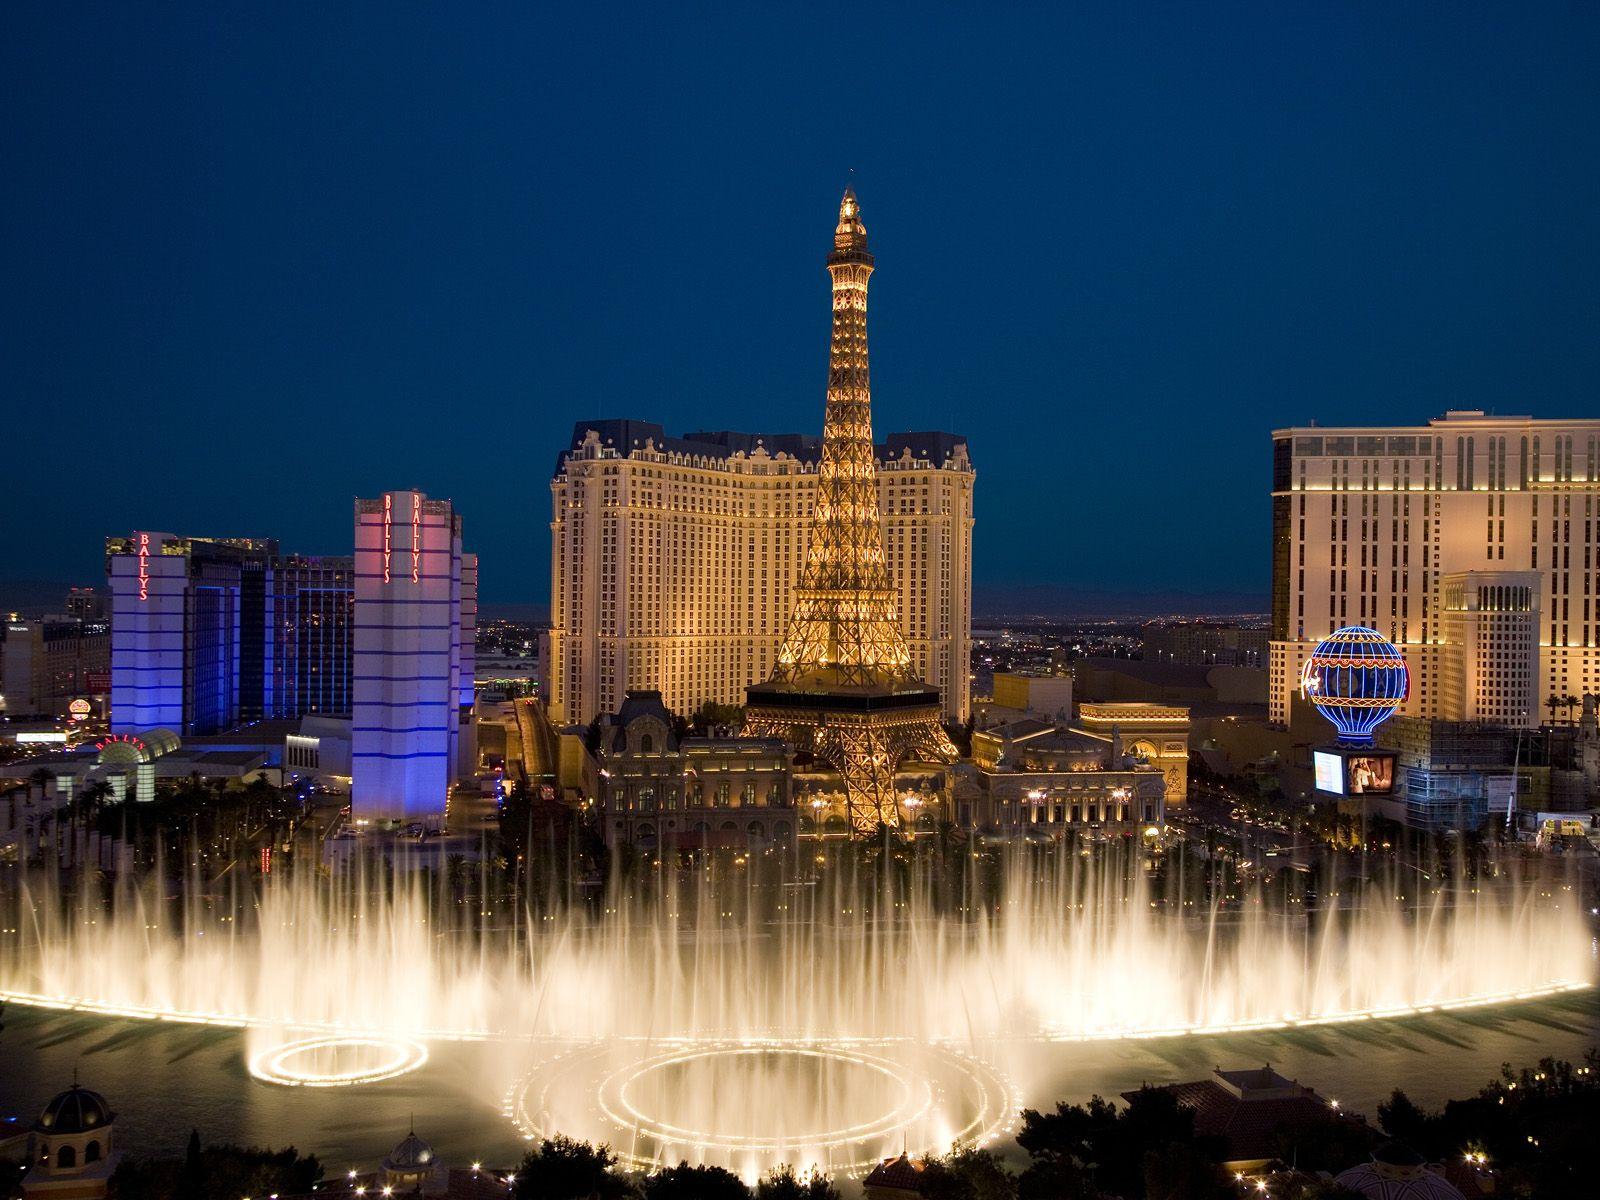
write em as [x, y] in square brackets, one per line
[33, 597]
[1064, 600]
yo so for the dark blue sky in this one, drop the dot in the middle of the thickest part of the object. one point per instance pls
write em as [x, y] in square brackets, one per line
[257, 261]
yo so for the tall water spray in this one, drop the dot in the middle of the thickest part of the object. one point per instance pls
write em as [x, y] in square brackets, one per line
[720, 1011]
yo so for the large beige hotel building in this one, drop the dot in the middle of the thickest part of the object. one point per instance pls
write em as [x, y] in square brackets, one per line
[1469, 541]
[673, 561]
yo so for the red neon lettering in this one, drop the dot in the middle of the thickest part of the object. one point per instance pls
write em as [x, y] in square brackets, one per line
[144, 566]
[388, 527]
[119, 737]
[416, 536]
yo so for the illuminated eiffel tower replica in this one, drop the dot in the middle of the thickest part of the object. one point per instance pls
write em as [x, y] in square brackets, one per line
[843, 687]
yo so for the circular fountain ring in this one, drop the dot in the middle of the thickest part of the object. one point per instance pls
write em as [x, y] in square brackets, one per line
[339, 1060]
[910, 1100]
[913, 1088]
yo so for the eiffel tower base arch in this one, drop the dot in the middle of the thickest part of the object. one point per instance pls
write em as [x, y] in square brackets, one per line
[863, 733]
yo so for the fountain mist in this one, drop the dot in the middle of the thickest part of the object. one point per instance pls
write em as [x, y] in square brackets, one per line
[680, 1003]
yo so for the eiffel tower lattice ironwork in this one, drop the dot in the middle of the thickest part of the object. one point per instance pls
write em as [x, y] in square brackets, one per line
[843, 687]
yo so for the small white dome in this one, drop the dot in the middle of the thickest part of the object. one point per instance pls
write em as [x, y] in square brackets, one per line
[1397, 1172]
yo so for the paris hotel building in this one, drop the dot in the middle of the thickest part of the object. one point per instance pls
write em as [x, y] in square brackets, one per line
[674, 560]
[1469, 541]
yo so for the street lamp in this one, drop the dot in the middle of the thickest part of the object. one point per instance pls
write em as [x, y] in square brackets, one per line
[913, 802]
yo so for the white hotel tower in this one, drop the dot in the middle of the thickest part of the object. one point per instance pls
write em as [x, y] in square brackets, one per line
[412, 673]
[1470, 542]
[673, 561]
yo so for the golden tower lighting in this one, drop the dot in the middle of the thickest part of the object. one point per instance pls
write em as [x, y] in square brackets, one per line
[843, 687]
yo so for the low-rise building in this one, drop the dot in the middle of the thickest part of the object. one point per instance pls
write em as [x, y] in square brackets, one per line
[1205, 643]
[1456, 774]
[661, 790]
[1575, 756]
[506, 676]
[131, 766]
[71, 1154]
[1124, 679]
[87, 604]
[895, 1179]
[1253, 1113]
[1396, 1170]
[46, 665]
[1038, 779]
[1156, 733]
[1034, 694]
[319, 748]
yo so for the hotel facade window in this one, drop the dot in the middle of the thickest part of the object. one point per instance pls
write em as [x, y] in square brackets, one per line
[187, 632]
[674, 560]
[652, 783]
[1470, 542]
[208, 633]
[411, 582]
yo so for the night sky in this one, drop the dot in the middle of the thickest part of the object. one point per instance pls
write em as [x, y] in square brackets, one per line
[256, 263]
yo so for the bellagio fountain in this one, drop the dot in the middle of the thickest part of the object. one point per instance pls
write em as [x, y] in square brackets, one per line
[781, 1008]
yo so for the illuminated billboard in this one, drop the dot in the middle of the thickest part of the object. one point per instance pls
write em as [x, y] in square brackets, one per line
[1329, 769]
[1369, 774]
[1352, 771]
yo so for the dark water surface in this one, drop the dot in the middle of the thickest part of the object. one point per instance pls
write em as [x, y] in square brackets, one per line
[165, 1079]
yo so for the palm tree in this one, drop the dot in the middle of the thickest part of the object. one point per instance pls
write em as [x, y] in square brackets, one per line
[65, 819]
[77, 826]
[1552, 703]
[98, 796]
[457, 875]
[11, 796]
[92, 801]
[267, 804]
[41, 778]
[1569, 703]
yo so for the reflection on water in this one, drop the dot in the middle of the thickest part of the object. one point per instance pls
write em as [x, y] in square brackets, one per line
[911, 999]
[165, 1079]
[732, 1092]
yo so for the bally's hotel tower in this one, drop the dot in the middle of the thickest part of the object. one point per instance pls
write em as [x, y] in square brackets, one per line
[413, 671]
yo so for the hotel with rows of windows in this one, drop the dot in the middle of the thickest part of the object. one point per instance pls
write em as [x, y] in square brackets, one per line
[416, 609]
[674, 560]
[208, 633]
[212, 634]
[1469, 541]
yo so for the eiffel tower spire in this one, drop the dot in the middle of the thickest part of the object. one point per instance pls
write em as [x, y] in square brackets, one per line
[843, 687]
[846, 626]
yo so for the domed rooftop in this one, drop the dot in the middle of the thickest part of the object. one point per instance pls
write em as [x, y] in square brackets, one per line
[76, 1110]
[413, 1154]
[1397, 1172]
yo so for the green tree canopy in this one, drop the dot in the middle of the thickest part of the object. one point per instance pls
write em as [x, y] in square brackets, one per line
[687, 1182]
[560, 1168]
[781, 1183]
